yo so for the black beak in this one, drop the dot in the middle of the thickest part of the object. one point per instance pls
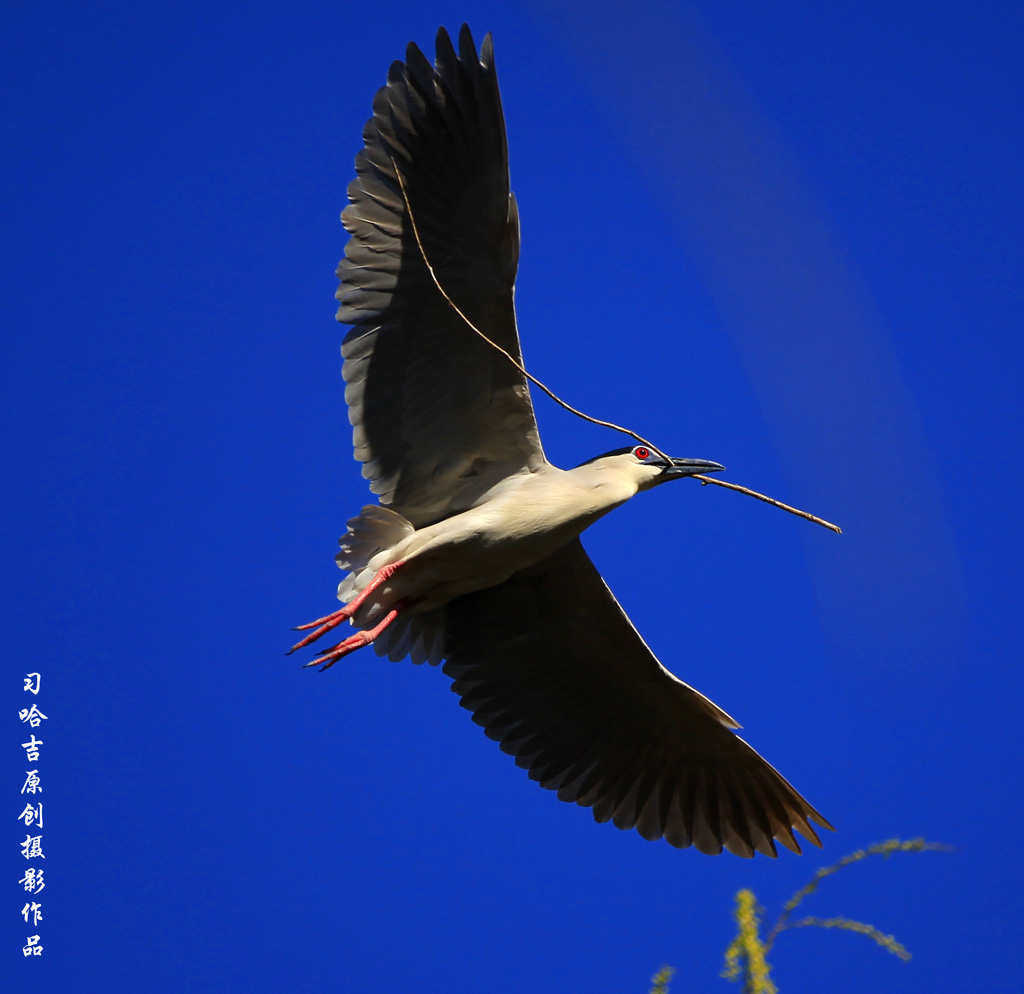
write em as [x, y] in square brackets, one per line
[689, 467]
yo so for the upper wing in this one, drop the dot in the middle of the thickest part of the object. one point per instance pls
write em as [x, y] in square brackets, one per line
[552, 668]
[438, 415]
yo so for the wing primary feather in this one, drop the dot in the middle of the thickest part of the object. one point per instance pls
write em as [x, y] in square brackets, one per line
[581, 703]
[443, 126]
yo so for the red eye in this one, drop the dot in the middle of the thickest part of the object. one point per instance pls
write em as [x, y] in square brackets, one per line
[640, 452]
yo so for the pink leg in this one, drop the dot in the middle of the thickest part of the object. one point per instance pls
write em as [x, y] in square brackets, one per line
[357, 641]
[330, 621]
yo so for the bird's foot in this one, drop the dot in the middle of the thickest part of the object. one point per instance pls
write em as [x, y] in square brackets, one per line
[329, 621]
[357, 641]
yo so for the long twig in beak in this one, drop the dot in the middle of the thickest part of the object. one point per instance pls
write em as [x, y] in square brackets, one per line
[572, 410]
[769, 500]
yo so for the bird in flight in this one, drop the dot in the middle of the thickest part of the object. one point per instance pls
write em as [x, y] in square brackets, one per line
[473, 555]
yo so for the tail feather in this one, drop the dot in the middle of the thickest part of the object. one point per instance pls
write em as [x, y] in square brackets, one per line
[375, 532]
[365, 548]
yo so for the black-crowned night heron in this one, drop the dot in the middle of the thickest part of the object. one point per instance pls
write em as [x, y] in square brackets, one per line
[473, 555]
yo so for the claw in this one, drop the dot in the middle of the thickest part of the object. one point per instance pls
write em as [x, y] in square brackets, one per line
[343, 615]
[353, 642]
[329, 621]
[320, 621]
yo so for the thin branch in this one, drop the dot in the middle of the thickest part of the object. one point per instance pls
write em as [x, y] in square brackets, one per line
[770, 500]
[558, 400]
[494, 345]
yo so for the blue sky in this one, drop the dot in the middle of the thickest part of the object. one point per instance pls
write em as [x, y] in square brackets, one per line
[785, 238]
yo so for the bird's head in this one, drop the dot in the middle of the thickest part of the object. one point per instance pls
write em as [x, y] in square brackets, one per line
[645, 468]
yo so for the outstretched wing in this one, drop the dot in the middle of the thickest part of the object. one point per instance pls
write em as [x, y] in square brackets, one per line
[438, 415]
[553, 669]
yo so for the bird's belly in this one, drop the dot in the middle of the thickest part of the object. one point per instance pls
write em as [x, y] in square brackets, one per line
[456, 569]
[473, 551]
